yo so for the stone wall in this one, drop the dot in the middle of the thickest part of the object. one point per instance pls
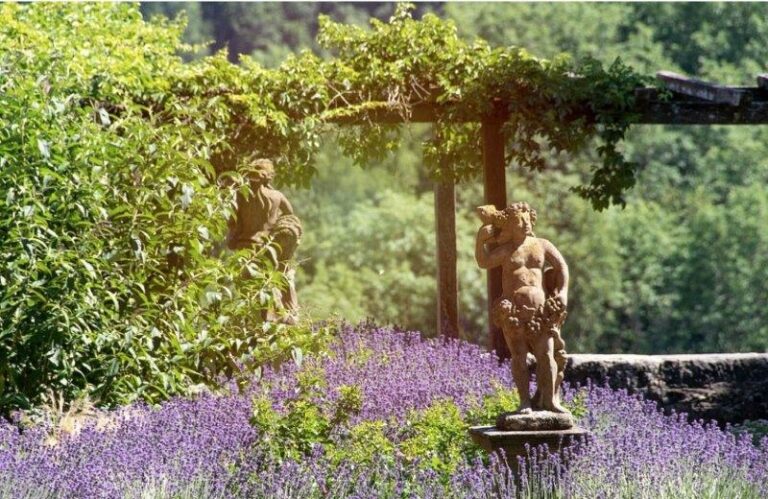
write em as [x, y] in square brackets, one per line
[730, 388]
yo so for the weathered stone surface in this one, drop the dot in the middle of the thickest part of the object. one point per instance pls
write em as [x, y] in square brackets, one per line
[513, 443]
[729, 388]
[534, 299]
[534, 421]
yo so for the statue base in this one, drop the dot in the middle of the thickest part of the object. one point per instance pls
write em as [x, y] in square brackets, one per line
[534, 421]
[514, 443]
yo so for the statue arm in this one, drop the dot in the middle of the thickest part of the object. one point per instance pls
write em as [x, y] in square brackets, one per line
[285, 205]
[486, 259]
[554, 258]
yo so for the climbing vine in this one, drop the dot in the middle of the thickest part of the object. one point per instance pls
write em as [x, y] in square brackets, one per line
[550, 106]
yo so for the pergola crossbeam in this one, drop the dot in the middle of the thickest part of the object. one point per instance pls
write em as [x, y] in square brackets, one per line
[711, 92]
[652, 107]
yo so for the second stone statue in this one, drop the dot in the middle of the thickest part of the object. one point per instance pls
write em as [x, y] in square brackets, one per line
[530, 311]
[263, 216]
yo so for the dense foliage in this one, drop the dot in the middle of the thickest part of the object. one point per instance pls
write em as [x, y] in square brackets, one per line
[112, 147]
[549, 106]
[398, 407]
[111, 211]
[121, 165]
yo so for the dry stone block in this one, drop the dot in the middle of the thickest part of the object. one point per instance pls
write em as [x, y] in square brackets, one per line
[534, 421]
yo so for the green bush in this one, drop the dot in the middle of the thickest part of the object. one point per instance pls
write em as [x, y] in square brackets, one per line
[111, 213]
[501, 400]
[435, 437]
[305, 422]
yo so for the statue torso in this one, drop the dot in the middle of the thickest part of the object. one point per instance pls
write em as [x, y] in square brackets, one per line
[522, 274]
[256, 213]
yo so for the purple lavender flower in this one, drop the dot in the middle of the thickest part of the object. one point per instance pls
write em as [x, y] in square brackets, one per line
[206, 447]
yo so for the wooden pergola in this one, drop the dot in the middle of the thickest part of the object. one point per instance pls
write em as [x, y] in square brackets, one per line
[683, 101]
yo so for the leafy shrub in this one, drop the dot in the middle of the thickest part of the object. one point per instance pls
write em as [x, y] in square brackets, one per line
[500, 400]
[336, 405]
[366, 443]
[111, 212]
[304, 423]
[437, 437]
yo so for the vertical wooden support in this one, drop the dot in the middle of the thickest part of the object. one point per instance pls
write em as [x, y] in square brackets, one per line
[495, 190]
[447, 282]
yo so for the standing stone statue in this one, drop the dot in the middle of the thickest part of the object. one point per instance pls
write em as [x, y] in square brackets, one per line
[532, 307]
[267, 215]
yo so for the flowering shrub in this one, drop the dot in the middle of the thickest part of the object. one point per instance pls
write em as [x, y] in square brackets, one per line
[389, 410]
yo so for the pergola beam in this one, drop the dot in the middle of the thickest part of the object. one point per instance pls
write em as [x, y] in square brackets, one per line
[652, 107]
[712, 92]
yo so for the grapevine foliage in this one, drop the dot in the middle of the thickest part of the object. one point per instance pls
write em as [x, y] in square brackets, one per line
[550, 106]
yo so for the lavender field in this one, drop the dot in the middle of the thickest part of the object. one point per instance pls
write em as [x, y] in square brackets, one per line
[383, 414]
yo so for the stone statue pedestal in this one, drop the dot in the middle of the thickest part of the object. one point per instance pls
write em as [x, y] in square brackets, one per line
[514, 431]
[513, 443]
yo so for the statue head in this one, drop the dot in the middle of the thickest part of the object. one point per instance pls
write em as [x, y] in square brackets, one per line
[515, 219]
[261, 171]
[519, 217]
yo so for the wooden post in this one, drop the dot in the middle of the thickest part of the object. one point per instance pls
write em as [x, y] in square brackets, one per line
[495, 190]
[447, 282]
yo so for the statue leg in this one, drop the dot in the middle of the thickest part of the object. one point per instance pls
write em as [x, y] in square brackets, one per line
[536, 400]
[290, 298]
[546, 374]
[519, 350]
[287, 239]
[560, 358]
[286, 299]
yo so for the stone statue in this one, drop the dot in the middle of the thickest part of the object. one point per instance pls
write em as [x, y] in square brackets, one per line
[267, 215]
[533, 303]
